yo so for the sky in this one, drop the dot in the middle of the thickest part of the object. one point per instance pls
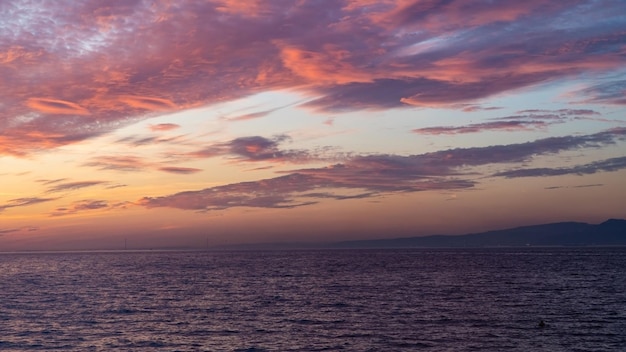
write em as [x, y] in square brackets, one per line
[158, 123]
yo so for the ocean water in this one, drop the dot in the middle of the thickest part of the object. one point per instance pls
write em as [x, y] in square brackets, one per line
[333, 300]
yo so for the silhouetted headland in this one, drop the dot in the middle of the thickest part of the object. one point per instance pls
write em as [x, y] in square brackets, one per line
[609, 233]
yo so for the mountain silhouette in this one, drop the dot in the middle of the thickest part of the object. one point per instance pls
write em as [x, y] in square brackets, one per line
[609, 233]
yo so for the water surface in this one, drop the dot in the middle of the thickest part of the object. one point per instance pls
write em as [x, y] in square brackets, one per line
[353, 300]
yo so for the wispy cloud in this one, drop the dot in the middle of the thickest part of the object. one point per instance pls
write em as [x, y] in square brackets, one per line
[372, 175]
[612, 164]
[556, 114]
[116, 186]
[87, 205]
[604, 93]
[164, 127]
[253, 148]
[474, 107]
[258, 114]
[485, 126]
[21, 229]
[180, 170]
[23, 202]
[579, 186]
[138, 140]
[72, 186]
[250, 116]
[287, 191]
[526, 120]
[132, 163]
[49, 182]
[4, 231]
[119, 163]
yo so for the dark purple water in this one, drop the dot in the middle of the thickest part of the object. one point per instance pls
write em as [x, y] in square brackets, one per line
[352, 300]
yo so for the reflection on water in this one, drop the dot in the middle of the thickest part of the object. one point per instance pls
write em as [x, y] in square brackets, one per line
[355, 300]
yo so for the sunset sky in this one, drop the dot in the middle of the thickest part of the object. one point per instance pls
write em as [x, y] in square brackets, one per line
[201, 123]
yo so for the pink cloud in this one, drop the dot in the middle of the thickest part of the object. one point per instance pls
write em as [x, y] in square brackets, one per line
[55, 106]
[164, 127]
[123, 61]
[147, 103]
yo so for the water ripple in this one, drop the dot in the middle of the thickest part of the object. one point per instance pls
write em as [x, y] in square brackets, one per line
[392, 300]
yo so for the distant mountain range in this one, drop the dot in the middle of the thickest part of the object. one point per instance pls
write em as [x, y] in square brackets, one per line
[609, 233]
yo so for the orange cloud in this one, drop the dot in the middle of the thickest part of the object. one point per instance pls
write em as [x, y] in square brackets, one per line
[247, 8]
[20, 142]
[328, 66]
[56, 106]
[147, 103]
[17, 53]
[164, 127]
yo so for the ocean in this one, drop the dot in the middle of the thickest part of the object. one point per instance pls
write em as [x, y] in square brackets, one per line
[317, 300]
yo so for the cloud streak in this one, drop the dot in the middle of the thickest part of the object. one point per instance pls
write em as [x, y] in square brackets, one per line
[605, 93]
[372, 175]
[481, 127]
[289, 191]
[23, 202]
[132, 163]
[80, 206]
[613, 164]
[180, 170]
[528, 120]
[164, 127]
[87, 205]
[73, 186]
[21, 229]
